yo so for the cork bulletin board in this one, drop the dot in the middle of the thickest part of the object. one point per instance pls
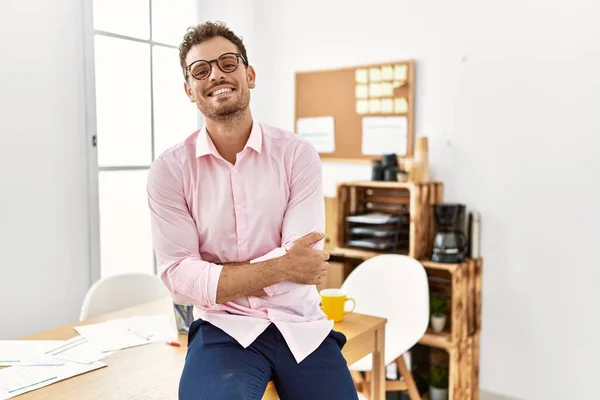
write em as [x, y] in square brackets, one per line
[365, 110]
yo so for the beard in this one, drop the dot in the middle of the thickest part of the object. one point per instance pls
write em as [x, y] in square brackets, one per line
[228, 111]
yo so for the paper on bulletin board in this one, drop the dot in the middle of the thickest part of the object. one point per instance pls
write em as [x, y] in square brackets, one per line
[384, 135]
[319, 131]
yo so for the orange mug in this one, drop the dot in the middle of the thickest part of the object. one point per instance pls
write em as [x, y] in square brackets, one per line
[333, 302]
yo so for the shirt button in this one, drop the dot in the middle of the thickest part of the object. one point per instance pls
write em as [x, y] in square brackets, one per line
[253, 304]
[235, 171]
[239, 206]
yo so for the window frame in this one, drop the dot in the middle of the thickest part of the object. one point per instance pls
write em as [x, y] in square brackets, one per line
[94, 169]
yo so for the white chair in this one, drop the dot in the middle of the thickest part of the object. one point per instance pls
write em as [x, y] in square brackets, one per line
[122, 291]
[395, 287]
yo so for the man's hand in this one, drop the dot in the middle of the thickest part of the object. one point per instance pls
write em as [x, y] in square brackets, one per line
[305, 265]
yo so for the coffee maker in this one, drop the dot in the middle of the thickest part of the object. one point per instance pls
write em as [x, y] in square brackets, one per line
[450, 244]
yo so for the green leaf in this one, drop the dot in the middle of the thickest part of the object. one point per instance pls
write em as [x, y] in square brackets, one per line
[438, 304]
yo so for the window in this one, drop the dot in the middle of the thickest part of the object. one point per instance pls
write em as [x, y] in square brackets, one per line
[140, 111]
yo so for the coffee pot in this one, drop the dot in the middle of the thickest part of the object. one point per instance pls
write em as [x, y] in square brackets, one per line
[450, 244]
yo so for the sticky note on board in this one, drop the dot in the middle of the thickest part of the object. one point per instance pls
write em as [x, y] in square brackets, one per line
[387, 73]
[362, 107]
[361, 75]
[362, 91]
[387, 90]
[374, 106]
[386, 106]
[400, 105]
[374, 90]
[374, 74]
[400, 72]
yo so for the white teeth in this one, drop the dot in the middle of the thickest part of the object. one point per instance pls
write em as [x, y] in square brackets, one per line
[219, 91]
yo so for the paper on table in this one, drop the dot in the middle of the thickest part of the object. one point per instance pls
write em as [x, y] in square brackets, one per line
[155, 328]
[111, 335]
[15, 381]
[78, 350]
[27, 352]
[319, 131]
[129, 332]
[384, 135]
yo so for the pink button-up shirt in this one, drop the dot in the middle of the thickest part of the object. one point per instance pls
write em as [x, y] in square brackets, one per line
[206, 212]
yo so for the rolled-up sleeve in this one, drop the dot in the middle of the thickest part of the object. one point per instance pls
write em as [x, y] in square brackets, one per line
[190, 279]
[305, 211]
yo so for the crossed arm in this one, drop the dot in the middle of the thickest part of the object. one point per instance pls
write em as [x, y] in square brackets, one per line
[232, 267]
[192, 280]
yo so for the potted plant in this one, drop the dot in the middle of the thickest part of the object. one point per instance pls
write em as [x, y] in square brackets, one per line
[438, 305]
[437, 378]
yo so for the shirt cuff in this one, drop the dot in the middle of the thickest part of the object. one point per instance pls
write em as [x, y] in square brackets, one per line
[214, 273]
[275, 253]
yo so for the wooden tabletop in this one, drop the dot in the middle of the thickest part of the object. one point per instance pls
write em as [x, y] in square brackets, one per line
[152, 371]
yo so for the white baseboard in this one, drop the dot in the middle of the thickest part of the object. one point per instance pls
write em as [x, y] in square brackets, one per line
[493, 396]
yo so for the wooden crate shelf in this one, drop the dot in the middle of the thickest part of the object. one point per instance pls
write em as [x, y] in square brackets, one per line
[463, 287]
[462, 361]
[465, 292]
[461, 282]
[474, 378]
[461, 339]
[359, 197]
[451, 280]
[474, 287]
[440, 340]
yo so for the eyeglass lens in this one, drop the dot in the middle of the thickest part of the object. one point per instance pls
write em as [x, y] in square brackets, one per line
[226, 63]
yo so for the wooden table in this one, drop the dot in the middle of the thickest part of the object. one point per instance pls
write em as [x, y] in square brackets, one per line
[152, 371]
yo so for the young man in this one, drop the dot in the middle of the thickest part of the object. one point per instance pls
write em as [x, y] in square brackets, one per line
[237, 219]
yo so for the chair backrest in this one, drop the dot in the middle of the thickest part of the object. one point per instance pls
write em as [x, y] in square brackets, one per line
[121, 291]
[395, 287]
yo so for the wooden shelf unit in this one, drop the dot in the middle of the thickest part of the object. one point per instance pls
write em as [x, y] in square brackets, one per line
[464, 291]
[451, 280]
[358, 197]
[460, 340]
[461, 282]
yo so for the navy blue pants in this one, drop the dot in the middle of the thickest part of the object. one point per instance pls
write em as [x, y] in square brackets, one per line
[217, 367]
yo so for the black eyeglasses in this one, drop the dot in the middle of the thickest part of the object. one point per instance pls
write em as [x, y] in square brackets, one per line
[227, 63]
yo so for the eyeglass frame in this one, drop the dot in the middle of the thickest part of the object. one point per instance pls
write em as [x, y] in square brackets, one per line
[210, 62]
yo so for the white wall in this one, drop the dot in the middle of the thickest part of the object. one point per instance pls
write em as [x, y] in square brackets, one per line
[44, 256]
[508, 94]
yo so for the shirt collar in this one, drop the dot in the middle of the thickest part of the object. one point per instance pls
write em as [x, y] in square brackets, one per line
[205, 145]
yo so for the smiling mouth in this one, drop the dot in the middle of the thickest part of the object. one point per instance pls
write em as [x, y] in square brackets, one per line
[220, 91]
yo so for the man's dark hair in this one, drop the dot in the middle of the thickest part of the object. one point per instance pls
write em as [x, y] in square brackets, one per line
[205, 31]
